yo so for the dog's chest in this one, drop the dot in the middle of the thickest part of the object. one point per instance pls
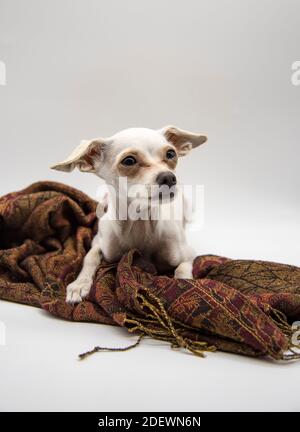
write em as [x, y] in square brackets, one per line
[140, 234]
[158, 241]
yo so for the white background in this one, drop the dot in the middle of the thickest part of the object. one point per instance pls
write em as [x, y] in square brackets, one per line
[80, 69]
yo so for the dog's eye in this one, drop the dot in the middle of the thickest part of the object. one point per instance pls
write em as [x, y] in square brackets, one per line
[129, 161]
[170, 154]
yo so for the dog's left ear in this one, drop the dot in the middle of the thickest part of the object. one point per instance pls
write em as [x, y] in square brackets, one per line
[184, 141]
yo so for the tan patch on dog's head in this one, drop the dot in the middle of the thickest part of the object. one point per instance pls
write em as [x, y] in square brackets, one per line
[171, 162]
[135, 170]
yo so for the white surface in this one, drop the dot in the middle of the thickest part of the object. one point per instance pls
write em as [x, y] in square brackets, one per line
[39, 369]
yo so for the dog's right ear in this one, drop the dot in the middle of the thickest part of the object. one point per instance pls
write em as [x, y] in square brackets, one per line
[85, 157]
[183, 140]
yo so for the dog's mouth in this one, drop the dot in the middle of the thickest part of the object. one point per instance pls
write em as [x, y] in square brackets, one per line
[150, 195]
[162, 198]
[164, 195]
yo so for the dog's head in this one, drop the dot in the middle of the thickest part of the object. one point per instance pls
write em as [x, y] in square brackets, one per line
[143, 156]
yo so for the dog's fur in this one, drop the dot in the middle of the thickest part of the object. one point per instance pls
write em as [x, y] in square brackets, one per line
[162, 241]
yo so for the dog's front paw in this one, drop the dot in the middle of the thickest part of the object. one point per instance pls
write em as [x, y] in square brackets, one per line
[184, 271]
[78, 290]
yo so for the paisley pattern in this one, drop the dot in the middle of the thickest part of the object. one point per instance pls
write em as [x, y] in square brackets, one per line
[239, 306]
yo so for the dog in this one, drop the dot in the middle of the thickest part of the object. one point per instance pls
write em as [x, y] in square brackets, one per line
[146, 159]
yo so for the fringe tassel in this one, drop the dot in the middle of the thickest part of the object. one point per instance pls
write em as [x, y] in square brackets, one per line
[97, 349]
[159, 325]
[162, 326]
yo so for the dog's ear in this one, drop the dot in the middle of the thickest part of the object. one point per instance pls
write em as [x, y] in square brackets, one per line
[184, 141]
[85, 156]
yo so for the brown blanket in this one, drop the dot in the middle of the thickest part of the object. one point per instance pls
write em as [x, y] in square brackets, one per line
[239, 306]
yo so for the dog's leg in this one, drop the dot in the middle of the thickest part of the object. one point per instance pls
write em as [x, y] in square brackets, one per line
[184, 270]
[81, 286]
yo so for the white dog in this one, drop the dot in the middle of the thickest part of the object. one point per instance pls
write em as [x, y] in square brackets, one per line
[142, 157]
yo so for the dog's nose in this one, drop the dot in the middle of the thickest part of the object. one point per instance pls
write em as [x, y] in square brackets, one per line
[166, 178]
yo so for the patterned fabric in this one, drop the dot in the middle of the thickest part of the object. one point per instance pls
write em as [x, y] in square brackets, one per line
[240, 306]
